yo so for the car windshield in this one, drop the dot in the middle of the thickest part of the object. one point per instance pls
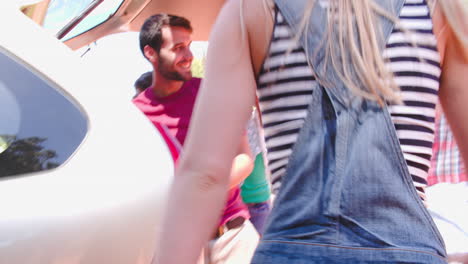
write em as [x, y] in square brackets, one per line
[61, 12]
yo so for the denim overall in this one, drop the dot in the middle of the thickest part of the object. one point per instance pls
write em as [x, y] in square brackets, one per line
[347, 195]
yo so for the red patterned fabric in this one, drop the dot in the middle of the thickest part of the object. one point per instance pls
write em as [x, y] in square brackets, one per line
[447, 163]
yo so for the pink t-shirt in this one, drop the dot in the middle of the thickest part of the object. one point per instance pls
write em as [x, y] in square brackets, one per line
[174, 112]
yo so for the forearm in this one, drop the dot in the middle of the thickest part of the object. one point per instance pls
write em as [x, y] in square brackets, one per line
[242, 164]
[457, 116]
[195, 204]
[454, 94]
[241, 168]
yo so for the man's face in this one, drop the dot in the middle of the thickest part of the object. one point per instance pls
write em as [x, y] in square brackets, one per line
[175, 57]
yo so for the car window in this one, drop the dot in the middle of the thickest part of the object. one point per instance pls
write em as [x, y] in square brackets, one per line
[60, 12]
[40, 127]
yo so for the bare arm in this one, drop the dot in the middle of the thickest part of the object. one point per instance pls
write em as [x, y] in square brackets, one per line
[242, 165]
[222, 109]
[454, 91]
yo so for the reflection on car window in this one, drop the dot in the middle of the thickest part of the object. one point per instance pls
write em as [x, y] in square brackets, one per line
[9, 124]
[40, 128]
[60, 12]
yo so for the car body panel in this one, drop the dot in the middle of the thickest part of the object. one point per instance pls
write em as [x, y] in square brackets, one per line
[104, 204]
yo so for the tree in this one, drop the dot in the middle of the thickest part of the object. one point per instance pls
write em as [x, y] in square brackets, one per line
[198, 68]
[26, 155]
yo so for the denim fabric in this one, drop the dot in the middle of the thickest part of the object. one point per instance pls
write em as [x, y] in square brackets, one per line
[347, 196]
[258, 214]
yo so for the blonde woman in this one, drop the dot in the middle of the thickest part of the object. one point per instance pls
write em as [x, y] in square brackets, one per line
[347, 92]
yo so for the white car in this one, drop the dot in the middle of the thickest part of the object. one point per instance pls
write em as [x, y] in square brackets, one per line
[83, 173]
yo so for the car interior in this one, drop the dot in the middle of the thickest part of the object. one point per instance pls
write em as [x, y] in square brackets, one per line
[94, 19]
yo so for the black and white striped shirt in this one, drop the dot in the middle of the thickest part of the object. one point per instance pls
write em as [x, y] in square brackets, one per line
[286, 81]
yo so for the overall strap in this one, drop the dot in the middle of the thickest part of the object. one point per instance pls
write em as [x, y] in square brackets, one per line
[312, 40]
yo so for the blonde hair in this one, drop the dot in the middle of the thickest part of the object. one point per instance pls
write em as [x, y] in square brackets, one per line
[364, 71]
[361, 66]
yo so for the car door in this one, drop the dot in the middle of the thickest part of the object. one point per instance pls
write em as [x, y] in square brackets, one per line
[83, 174]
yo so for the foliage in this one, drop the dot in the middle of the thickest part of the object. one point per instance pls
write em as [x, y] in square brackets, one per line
[26, 155]
[198, 68]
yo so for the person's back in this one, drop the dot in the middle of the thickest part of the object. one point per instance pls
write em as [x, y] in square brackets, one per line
[321, 127]
[348, 118]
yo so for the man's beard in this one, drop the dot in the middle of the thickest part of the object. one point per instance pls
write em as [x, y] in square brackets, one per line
[163, 69]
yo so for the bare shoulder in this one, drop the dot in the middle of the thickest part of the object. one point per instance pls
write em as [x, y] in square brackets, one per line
[440, 27]
[449, 19]
[245, 27]
[259, 18]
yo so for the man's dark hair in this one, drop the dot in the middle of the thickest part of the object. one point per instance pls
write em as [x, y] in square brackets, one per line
[150, 33]
[144, 81]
